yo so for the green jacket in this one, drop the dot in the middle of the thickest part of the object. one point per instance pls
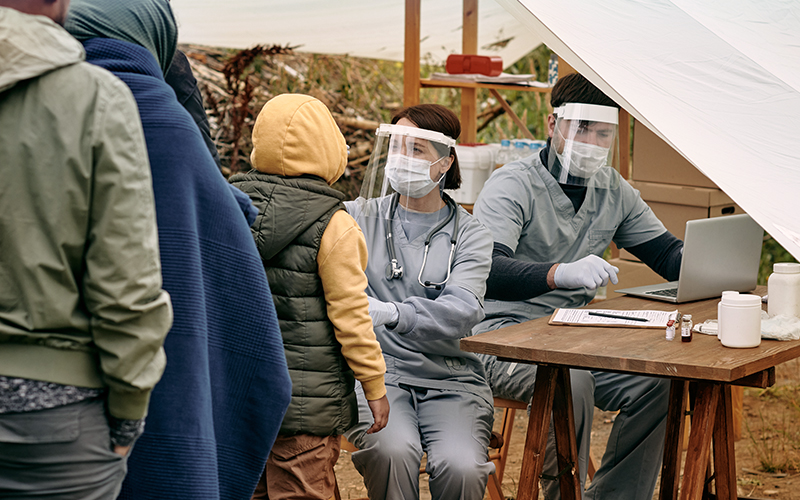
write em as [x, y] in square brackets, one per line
[80, 279]
[293, 214]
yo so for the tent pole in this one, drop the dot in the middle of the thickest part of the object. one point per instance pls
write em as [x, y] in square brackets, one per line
[411, 76]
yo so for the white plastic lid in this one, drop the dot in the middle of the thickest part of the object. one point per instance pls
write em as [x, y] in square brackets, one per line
[729, 292]
[742, 300]
[786, 267]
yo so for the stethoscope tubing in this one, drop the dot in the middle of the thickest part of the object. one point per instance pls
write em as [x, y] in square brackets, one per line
[395, 271]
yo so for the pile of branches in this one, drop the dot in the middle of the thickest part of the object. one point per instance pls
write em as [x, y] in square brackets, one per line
[360, 93]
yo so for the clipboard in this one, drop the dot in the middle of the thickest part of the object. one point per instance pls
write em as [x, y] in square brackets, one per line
[612, 318]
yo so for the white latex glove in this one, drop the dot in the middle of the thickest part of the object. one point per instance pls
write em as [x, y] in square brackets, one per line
[382, 313]
[589, 272]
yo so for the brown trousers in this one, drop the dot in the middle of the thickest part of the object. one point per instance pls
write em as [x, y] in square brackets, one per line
[300, 467]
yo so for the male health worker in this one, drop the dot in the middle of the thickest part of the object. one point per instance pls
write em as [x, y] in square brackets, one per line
[552, 215]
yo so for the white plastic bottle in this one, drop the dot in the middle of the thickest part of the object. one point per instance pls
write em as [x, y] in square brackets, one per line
[783, 289]
[504, 155]
[520, 150]
[719, 311]
[741, 320]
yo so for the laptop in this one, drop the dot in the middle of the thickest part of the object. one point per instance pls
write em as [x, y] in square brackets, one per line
[720, 253]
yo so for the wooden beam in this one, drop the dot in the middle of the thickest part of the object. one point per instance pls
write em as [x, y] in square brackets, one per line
[566, 444]
[544, 389]
[697, 454]
[469, 97]
[624, 144]
[411, 55]
[724, 453]
[510, 112]
[673, 441]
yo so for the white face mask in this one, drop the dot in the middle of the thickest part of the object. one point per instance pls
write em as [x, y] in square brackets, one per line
[410, 176]
[584, 159]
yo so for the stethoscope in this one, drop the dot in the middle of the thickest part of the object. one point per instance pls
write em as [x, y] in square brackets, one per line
[394, 270]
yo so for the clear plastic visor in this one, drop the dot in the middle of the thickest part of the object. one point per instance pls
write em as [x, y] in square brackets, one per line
[406, 160]
[585, 139]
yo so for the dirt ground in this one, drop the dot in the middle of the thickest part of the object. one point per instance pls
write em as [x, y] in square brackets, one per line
[767, 455]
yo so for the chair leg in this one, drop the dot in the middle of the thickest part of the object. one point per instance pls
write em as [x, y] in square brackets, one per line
[508, 428]
[591, 468]
[494, 487]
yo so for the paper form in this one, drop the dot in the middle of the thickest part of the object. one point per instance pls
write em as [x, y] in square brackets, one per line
[655, 319]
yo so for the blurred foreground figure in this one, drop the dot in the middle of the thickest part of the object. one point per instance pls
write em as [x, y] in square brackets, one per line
[218, 408]
[82, 314]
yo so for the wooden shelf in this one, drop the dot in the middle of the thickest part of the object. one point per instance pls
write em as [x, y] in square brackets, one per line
[429, 83]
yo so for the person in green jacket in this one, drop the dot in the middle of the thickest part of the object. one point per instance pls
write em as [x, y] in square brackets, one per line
[83, 316]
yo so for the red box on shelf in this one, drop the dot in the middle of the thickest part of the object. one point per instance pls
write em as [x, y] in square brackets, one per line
[467, 63]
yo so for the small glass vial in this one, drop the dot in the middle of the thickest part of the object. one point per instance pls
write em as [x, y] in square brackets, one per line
[671, 329]
[686, 328]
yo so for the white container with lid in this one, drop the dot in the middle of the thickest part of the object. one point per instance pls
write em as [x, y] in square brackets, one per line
[719, 311]
[740, 320]
[476, 164]
[783, 289]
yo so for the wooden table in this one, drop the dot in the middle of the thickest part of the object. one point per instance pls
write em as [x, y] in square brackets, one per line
[704, 361]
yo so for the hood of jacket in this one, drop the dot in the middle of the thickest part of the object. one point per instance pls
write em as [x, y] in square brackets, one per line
[31, 46]
[296, 135]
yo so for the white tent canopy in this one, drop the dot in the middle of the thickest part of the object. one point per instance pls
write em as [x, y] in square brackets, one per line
[719, 80]
[360, 28]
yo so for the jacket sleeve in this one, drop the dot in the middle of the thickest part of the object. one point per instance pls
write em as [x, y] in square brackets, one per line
[342, 260]
[130, 313]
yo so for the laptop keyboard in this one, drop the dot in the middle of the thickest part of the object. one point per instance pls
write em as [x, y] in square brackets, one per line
[664, 292]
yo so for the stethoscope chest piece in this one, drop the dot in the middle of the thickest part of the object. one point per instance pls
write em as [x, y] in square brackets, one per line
[393, 271]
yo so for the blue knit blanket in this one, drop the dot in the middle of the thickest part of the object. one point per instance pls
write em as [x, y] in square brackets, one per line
[216, 412]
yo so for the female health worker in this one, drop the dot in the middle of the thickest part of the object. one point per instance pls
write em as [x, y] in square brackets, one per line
[428, 264]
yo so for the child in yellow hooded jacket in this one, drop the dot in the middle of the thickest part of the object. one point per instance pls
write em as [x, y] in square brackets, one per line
[315, 256]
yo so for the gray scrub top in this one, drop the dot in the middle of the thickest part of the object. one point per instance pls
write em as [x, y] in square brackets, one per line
[422, 350]
[527, 211]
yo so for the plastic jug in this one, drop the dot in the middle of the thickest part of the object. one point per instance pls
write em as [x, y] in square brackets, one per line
[740, 320]
[783, 288]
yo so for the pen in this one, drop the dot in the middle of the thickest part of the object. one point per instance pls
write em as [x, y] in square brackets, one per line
[617, 316]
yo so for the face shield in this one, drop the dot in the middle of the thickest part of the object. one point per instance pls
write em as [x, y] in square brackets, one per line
[584, 140]
[406, 160]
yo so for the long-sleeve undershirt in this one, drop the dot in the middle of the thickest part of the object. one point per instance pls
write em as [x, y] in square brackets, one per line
[513, 279]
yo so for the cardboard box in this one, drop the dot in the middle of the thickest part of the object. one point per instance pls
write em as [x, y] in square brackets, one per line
[674, 205]
[656, 161]
[631, 274]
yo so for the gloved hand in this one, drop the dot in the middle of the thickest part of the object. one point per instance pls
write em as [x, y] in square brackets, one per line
[382, 313]
[589, 272]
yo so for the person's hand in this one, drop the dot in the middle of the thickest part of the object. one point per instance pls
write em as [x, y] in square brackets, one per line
[589, 272]
[121, 450]
[380, 413]
[382, 313]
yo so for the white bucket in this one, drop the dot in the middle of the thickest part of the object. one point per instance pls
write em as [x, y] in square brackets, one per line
[476, 163]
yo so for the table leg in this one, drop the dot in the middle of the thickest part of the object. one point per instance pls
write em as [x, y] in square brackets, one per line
[724, 453]
[673, 440]
[697, 454]
[566, 443]
[536, 439]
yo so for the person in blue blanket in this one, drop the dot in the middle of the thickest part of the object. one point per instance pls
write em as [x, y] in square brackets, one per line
[217, 410]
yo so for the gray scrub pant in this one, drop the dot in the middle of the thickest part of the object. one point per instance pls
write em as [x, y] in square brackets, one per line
[632, 460]
[452, 427]
[62, 453]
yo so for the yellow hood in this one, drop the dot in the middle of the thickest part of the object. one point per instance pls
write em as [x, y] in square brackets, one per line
[295, 134]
